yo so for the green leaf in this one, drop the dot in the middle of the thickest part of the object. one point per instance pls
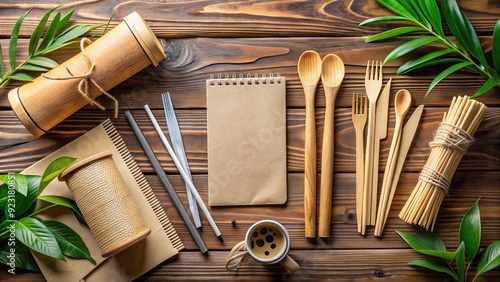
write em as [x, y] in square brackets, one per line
[53, 170]
[21, 76]
[24, 203]
[397, 8]
[30, 67]
[51, 31]
[382, 19]
[13, 40]
[432, 265]
[4, 196]
[460, 261]
[496, 47]
[18, 181]
[70, 242]
[53, 47]
[447, 72]
[490, 258]
[73, 32]
[431, 10]
[462, 29]
[409, 46]
[65, 202]
[394, 32]
[427, 60]
[414, 9]
[37, 33]
[22, 258]
[43, 62]
[64, 21]
[36, 236]
[470, 231]
[489, 84]
[428, 243]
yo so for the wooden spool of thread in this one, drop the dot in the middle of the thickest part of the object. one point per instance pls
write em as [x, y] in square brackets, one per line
[52, 97]
[105, 203]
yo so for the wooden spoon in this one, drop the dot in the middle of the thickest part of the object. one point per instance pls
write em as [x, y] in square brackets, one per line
[309, 69]
[332, 74]
[402, 103]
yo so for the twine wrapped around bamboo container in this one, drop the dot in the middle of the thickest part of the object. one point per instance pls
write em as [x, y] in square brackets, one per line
[52, 97]
[106, 203]
[451, 140]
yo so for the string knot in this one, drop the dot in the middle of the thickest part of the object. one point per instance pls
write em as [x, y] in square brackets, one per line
[451, 136]
[86, 79]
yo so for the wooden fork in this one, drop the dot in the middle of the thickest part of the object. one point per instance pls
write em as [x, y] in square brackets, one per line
[373, 84]
[359, 117]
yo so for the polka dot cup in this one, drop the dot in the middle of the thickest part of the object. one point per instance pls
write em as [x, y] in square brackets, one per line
[268, 242]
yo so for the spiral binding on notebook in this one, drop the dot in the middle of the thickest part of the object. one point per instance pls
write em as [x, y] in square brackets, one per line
[249, 79]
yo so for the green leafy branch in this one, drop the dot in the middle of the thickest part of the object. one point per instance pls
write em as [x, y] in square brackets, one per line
[54, 39]
[469, 238]
[425, 17]
[22, 230]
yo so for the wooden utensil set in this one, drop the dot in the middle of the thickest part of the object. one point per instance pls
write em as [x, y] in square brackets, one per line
[372, 107]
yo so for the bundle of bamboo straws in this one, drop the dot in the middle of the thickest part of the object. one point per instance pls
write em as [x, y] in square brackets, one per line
[451, 140]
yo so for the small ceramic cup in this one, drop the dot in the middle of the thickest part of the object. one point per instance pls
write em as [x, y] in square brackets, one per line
[268, 242]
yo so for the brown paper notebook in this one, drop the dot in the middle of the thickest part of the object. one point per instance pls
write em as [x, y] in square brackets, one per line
[246, 124]
[161, 244]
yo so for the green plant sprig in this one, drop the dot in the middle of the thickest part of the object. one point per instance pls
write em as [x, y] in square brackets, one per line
[54, 39]
[22, 230]
[425, 17]
[469, 238]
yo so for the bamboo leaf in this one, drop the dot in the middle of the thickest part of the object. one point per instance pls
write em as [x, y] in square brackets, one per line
[409, 46]
[397, 8]
[37, 33]
[382, 19]
[65, 202]
[394, 32]
[413, 7]
[425, 60]
[496, 47]
[434, 266]
[21, 76]
[71, 244]
[13, 40]
[17, 180]
[53, 170]
[53, 47]
[30, 67]
[447, 72]
[43, 62]
[462, 29]
[51, 31]
[36, 236]
[470, 231]
[487, 86]
[433, 14]
[75, 32]
[490, 258]
[64, 21]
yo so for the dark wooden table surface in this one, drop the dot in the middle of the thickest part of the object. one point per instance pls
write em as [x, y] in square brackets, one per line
[261, 37]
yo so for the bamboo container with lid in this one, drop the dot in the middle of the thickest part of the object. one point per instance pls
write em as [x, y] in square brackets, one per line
[122, 52]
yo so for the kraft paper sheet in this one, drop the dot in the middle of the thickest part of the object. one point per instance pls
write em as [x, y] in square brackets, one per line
[246, 124]
[161, 244]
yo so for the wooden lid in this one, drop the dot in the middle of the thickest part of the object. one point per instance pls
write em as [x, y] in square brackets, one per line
[22, 114]
[145, 37]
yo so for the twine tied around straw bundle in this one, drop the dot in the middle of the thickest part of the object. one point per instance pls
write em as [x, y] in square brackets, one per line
[86, 79]
[237, 255]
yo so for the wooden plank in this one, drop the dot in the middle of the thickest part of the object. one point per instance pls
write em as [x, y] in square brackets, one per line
[24, 149]
[331, 265]
[190, 62]
[466, 188]
[209, 18]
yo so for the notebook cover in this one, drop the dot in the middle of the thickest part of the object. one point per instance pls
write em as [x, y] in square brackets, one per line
[246, 124]
[161, 244]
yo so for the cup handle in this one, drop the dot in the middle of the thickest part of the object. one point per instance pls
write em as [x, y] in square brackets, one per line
[289, 264]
